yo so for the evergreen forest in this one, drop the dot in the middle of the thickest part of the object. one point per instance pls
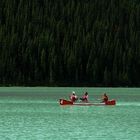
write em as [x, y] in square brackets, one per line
[70, 43]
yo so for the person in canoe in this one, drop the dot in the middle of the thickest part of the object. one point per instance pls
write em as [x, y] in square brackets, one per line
[104, 98]
[73, 97]
[85, 97]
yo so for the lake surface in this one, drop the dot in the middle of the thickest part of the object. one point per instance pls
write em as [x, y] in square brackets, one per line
[33, 113]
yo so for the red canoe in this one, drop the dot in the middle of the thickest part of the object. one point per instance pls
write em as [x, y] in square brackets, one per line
[66, 102]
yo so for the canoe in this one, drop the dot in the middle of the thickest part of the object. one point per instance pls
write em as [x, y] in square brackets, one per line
[67, 102]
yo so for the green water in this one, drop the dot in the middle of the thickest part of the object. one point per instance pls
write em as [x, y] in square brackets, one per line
[34, 114]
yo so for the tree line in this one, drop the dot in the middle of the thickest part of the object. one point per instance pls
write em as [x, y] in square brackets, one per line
[70, 42]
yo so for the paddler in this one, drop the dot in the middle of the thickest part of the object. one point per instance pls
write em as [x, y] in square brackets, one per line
[104, 98]
[85, 97]
[73, 97]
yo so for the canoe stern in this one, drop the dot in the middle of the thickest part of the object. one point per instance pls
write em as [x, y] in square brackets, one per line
[111, 102]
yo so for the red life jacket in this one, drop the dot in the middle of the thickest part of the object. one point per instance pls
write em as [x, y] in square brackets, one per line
[73, 98]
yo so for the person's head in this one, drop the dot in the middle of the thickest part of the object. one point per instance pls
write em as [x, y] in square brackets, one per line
[86, 93]
[73, 92]
[104, 94]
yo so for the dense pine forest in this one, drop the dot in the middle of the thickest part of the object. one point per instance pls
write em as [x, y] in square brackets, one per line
[70, 43]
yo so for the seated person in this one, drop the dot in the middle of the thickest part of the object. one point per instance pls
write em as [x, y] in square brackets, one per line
[73, 97]
[104, 98]
[85, 97]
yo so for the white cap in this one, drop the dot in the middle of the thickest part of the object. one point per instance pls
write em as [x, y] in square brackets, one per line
[73, 92]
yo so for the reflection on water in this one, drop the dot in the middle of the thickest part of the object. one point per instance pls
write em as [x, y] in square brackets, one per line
[128, 104]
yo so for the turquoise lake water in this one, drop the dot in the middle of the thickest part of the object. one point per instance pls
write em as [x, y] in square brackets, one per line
[33, 113]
